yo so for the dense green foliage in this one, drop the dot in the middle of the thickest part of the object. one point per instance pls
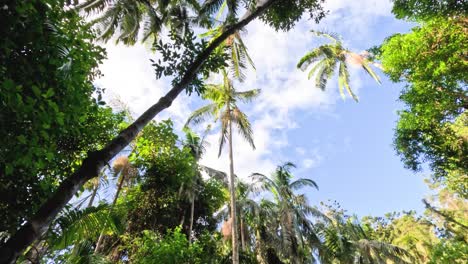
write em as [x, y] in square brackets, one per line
[48, 116]
[284, 14]
[432, 127]
[425, 9]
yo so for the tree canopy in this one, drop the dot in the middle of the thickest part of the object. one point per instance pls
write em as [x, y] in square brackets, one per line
[82, 182]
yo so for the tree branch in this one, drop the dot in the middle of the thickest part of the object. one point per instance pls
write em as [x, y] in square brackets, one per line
[91, 166]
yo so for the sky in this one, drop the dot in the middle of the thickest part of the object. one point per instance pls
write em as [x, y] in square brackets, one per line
[346, 147]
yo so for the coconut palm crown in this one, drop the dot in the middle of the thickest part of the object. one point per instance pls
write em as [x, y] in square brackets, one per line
[234, 46]
[127, 19]
[294, 229]
[223, 107]
[326, 59]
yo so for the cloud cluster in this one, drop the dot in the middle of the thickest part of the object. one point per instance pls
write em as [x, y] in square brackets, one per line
[285, 90]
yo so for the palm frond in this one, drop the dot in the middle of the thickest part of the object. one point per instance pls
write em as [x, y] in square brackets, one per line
[78, 225]
[201, 114]
[210, 7]
[243, 125]
[152, 25]
[93, 5]
[309, 58]
[316, 68]
[343, 72]
[330, 35]
[323, 74]
[368, 69]
[108, 22]
[247, 96]
[216, 174]
[298, 184]
[193, 4]
[287, 166]
[130, 25]
[239, 56]
[243, 48]
[237, 62]
[341, 81]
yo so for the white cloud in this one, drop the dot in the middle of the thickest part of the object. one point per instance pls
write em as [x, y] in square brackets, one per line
[286, 90]
[313, 160]
[300, 151]
[309, 163]
[371, 8]
[129, 77]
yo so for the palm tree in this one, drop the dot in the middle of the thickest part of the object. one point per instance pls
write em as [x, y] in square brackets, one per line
[346, 241]
[247, 208]
[328, 58]
[239, 57]
[123, 18]
[125, 173]
[94, 184]
[224, 108]
[191, 188]
[210, 7]
[296, 234]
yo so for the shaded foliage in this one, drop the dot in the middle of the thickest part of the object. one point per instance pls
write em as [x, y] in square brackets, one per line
[48, 116]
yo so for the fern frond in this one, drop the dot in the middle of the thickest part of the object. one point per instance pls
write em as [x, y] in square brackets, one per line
[78, 225]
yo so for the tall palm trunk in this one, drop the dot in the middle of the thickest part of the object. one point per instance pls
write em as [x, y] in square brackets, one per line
[192, 209]
[95, 161]
[232, 189]
[292, 237]
[119, 188]
[242, 234]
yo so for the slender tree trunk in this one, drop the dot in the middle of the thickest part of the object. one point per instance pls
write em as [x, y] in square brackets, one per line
[259, 248]
[232, 189]
[292, 237]
[182, 220]
[96, 160]
[95, 189]
[116, 196]
[242, 235]
[192, 211]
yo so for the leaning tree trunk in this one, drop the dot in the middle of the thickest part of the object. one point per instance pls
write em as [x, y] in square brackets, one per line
[232, 189]
[96, 160]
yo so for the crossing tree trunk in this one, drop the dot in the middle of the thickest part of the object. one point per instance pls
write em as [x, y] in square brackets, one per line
[96, 160]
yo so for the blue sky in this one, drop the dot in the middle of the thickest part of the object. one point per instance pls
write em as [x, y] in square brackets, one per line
[346, 147]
